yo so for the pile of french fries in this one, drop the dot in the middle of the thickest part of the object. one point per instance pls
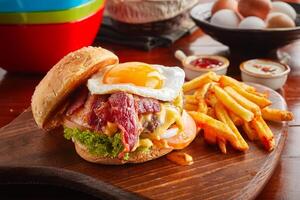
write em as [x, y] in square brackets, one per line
[222, 106]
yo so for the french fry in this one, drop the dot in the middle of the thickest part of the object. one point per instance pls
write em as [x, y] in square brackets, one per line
[200, 81]
[265, 94]
[205, 120]
[219, 127]
[190, 107]
[276, 115]
[211, 112]
[258, 100]
[250, 132]
[202, 106]
[190, 99]
[232, 105]
[228, 81]
[264, 133]
[223, 116]
[268, 132]
[243, 101]
[219, 104]
[198, 98]
[236, 119]
[210, 135]
[200, 93]
[211, 99]
[222, 146]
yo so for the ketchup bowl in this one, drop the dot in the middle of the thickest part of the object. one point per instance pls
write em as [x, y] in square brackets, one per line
[197, 65]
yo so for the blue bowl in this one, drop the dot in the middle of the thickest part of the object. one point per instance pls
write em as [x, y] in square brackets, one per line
[38, 5]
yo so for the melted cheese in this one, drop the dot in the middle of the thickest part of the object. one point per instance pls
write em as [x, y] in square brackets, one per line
[145, 118]
[178, 102]
[161, 144]
[147, 143]
[110, 129]
[169, 115]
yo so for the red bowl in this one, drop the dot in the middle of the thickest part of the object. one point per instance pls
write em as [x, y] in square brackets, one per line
[36, 48]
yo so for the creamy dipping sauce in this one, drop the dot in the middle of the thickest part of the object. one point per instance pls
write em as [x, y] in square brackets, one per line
[264, 67]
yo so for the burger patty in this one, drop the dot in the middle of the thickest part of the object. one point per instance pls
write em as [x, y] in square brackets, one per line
[151, 125]
[121, 108]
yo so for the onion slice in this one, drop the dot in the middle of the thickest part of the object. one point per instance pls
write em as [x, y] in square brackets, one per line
[169, 133]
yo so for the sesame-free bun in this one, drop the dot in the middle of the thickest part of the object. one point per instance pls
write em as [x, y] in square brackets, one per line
[135, 157]
[64, 77]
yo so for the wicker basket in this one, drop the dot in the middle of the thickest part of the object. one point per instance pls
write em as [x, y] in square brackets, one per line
[154, 28]
[147, 11]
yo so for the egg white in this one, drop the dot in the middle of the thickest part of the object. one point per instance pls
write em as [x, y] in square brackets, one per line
[173, 82]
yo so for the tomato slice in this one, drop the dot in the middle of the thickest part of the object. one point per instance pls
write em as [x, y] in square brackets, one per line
[182, 140]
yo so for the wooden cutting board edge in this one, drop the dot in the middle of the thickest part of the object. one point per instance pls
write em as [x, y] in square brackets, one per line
[77, 181]
[62, 178]
[17, 174]
[266, 171]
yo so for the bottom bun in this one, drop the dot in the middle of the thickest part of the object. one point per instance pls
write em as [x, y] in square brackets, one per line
[135, 157]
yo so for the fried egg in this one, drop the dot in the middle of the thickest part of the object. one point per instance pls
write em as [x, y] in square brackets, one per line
[154, 81]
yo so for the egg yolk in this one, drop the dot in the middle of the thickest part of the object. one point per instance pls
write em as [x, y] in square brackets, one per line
[138, 74]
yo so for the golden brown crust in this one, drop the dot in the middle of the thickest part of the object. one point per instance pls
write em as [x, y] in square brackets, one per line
[64, 77]
[135, 157]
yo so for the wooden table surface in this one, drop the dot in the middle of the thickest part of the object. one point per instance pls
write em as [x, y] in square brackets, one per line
[16, 91]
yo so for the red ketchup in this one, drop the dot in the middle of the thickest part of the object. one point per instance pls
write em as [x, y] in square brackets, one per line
[206, 63]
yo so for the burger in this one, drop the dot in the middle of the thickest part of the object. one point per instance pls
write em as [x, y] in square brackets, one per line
[114, 113]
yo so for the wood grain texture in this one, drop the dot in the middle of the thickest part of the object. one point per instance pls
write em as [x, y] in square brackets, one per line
[16, 91]
[49, 158]
[284, 183]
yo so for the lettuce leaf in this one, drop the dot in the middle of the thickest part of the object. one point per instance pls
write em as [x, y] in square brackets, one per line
[100, 144]
[97, 144]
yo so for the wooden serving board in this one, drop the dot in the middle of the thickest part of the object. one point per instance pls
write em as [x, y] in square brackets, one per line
[27, 155]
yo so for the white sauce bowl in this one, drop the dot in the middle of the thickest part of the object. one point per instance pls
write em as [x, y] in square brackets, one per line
[274, 81]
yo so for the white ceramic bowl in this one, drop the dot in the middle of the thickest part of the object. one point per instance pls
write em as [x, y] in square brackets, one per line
[274, 81]
[192, 71]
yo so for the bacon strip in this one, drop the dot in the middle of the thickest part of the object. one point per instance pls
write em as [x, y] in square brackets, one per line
[79, 97]
[94, 111]
[146, 105]
[100, 112]
[125, 115]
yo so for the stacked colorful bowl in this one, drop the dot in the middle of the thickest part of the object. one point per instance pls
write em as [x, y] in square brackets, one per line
[34, 35]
